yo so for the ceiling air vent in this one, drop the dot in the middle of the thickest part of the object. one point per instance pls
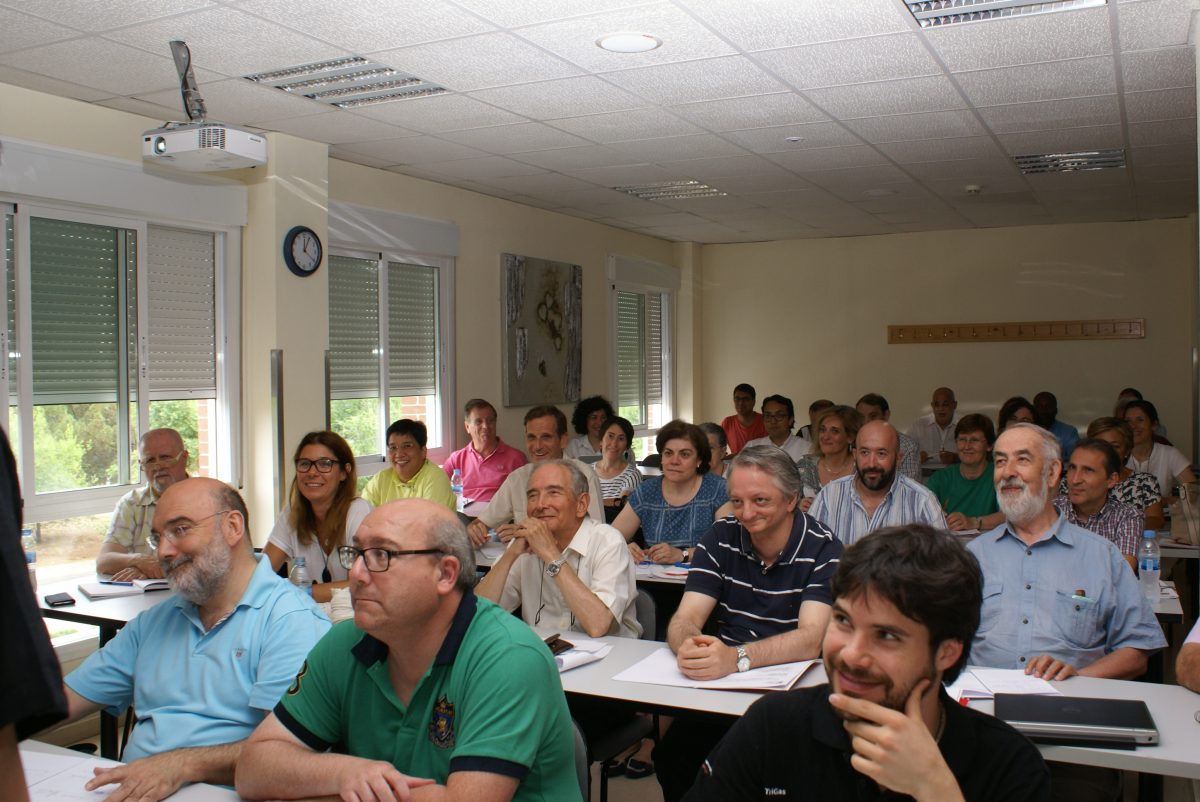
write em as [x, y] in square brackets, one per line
[934, 13]
[670, 190]
[1071, 162]
[347, 82]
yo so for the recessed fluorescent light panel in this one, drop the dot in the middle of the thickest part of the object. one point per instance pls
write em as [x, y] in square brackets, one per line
[670, 190]
[1071, 162]
[934, 13]
[347, 82]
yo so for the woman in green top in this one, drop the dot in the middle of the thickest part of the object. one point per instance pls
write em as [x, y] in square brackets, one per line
[966, 489]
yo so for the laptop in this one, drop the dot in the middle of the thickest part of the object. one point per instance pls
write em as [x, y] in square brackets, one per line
[1078, 721]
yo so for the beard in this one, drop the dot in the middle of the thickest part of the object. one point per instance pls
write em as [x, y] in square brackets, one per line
[879, 478]
[201, 581]
[1026, 506]
[894, 697]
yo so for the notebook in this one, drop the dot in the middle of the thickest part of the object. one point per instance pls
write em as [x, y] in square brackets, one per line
[1078, 721]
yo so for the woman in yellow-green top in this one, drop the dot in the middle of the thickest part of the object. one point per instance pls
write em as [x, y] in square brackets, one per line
[412, 475]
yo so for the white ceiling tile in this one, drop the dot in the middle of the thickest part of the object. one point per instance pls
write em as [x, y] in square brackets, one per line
[433, 115]
[991, 185]
[851, 61]
[569, 97]
[1154, 24]
[520, 138]
[228, 41]
[478, 62]
[18, 31]
[515, 13]
[784, 108]
[803, 161]
[579, 158]
[1147, 176]
[1159, 69]
[968, 171]
[421, 150]
[1162, 155]
[366, 26]
[774, 140]
[1164, 132]
[721, 168]
[1025, 40]
[663, 219]
[710, 207]
[768, 24]
[1060, 79]
[1079, 185]
[1165, 104]
[692, 81]
[975, 147]
[888, 97]
[1068, 140]
[481, 169]
[337, 152]
[778, 181]
[1051, 114]
[88, 15]
[904, 127]
[101, 64]
[683, 39]
[625, 125]
[678, 147]
[51, 86]
[132, 105]
[335, 127]
[237, 100]
[624, 175]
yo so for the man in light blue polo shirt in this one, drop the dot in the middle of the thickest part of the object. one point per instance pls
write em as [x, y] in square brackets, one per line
[204, 668]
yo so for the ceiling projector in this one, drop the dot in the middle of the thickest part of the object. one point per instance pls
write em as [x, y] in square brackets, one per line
[202, 147]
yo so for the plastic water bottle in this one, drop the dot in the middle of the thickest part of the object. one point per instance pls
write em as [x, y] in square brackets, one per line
[299, 576]
[1149, 562]
[29, 544]
[460, 504]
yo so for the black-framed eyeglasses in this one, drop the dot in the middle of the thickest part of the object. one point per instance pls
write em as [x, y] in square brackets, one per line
[323, 465]
[177, 532]
[377, 560]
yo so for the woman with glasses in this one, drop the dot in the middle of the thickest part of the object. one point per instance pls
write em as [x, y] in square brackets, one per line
[322, 514]
[966, 490]
[1015, 410]
[412, 475]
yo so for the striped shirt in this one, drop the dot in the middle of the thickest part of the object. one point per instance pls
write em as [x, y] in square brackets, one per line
[1116, 522]
[839, 507]
[620, 485]
[756, 601]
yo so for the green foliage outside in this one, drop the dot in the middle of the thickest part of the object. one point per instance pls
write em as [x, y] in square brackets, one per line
[357, 421]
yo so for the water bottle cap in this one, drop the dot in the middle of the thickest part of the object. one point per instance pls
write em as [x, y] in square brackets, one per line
[1149, 533]
[301, 561]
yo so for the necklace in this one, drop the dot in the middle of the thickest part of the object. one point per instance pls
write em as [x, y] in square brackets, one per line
[823, 464]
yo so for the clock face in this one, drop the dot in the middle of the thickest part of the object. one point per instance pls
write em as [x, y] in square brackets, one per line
[302, 251]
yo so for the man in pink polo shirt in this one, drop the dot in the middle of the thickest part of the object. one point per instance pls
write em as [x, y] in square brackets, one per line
[485, 461]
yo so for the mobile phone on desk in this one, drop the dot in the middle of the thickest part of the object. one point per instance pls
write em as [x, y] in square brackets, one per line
[59, 599]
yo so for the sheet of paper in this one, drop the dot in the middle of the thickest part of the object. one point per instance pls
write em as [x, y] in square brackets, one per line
[60, 778]
[574, 658]
[660, 668]
[977, 682]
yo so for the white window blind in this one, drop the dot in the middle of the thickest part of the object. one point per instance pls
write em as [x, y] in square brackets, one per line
[181, 291]
[353, 327]
[412, 330]
[631, 364]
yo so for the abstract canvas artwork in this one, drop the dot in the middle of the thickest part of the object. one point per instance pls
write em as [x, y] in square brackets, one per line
[543, 323]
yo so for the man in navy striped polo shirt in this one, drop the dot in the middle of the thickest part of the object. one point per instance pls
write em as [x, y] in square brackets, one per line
[766, 572]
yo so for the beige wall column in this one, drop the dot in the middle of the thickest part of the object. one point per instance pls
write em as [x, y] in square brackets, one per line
[281, 310]
[689, 367]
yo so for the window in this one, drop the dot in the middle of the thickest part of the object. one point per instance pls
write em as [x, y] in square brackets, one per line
[388, 354]
[113, 327]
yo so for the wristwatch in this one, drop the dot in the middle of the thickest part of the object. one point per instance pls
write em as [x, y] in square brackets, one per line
[686, 552]
[743, 661]
[554, 567]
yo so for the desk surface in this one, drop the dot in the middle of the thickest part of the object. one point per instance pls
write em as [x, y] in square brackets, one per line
[1171, 705]
[108, 613]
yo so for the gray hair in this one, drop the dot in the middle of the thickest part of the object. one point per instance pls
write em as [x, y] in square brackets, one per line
[450, 537]
[774, 462]
[579, 481]
[1047, 444]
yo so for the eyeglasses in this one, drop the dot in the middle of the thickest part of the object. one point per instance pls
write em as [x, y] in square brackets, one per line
[177, 532]
[971, 441]
[376, 560]
[166, 462]
[323, 465]
[776, 415]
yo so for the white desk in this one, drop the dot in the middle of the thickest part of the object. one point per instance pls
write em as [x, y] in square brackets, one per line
[1171, 705]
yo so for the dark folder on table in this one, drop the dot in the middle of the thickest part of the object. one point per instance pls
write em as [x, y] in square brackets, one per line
[1078, 721]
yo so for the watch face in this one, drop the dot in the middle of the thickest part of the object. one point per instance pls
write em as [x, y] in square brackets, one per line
[302, 251]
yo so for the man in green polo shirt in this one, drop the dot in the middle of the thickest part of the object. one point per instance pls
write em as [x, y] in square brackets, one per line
[429, 693]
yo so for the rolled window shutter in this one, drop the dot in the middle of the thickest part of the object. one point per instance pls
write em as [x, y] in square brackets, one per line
[412, 330]
[353, 327]
[181, 288]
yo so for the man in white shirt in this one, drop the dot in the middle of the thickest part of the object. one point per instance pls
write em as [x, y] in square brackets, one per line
[562, 569]
[934, 432]
[779, 416]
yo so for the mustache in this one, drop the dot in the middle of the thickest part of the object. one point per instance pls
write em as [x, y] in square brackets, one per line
[1012, 483]
[170, 565]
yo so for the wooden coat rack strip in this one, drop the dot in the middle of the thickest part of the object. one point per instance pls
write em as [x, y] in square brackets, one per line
[1133, 328]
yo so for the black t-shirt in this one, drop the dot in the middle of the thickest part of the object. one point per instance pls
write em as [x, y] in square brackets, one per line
[31, 687]
[792, 746]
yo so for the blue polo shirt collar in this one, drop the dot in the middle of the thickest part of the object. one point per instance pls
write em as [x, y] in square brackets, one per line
[257, 591]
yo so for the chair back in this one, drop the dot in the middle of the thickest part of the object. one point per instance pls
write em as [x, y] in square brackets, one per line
[582, 764]
[647, 613]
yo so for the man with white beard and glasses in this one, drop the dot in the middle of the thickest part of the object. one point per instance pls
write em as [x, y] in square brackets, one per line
[203, 669]
[905, 608]
[1058, 600]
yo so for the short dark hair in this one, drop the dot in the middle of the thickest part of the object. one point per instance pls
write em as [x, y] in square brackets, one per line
[746, 388]
[924, 573]
[412, 428]
[1145, 406]
[708, 427]
[682, 430]
[874, 400]
[1112, 460]
[783, 401]
[976, 423]
[474, 404]
[818, 405]
[1109, 424]
[1131, 392]
[551, 411]
[585, 408]
[1009, 408]
[626, 427]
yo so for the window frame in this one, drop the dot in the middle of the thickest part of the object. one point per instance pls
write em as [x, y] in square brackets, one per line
[645, 430]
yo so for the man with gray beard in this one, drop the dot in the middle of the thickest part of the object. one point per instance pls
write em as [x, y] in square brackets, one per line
[1058, 600]
[202, 670]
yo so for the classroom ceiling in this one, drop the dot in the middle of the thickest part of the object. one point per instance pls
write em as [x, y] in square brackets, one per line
[816, 118]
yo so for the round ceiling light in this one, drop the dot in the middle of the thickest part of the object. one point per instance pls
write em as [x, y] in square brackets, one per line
[628, 42]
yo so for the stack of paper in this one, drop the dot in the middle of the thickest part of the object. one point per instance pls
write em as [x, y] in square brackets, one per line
[582, 652]
[977, 682]
[660, 668]
[108, 590]
[148, 585]
[62, 777]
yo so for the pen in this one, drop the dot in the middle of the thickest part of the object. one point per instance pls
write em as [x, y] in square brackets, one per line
[115, 582]
[1084, 599]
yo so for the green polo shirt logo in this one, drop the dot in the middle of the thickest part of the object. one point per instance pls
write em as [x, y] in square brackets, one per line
[441, 724]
